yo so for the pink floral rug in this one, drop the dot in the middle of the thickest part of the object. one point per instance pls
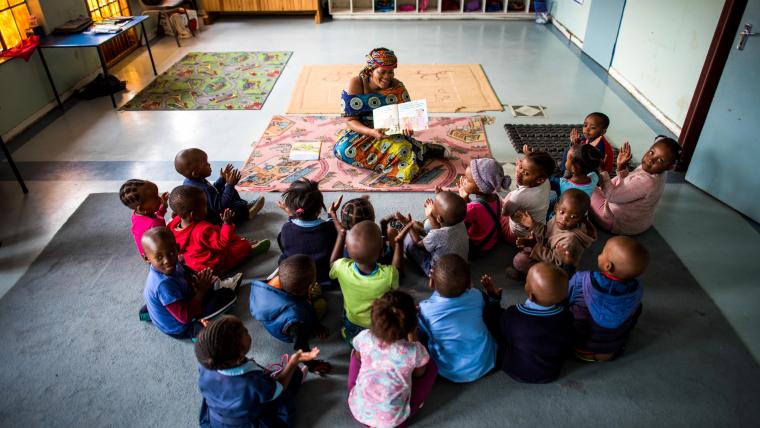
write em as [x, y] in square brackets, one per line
[269, 168]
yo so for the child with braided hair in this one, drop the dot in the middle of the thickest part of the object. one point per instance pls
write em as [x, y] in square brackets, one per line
[305, 232]
[391, 373]
[236, 391]
[148, 207]
[357, 210]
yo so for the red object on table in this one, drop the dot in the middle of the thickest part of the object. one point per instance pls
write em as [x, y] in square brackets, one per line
[25, 49]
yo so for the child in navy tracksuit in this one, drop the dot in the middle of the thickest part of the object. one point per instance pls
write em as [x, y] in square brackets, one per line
[286, 310]
[606, 304]
[236, 391]
[535, 337]
[305, 232]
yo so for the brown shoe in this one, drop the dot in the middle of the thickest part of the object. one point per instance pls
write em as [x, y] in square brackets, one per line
[255, 206]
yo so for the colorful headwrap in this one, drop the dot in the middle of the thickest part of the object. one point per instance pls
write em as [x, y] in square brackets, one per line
[380, 57]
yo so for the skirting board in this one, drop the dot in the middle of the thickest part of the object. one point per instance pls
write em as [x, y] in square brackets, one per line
[570, 36]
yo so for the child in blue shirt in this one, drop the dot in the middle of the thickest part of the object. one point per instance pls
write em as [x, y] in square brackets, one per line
[194, 166]
[452, 325]
[236, 391]
[285, 308]
[606, 304]
[178, 303]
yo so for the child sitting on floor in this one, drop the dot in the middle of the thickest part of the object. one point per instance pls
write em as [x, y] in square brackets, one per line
[483, 178]
[447, 235]
[359, 209]
[594, 127]
[451, 323]
[582, 164]
[390, 374]
[236, 391]
[205, 245]
[561, 241]
[305, 232]
[175, 300]
[534, 337]
[606, 304]
[193, 165]
[289, 312]
[531, 195]
[148, 208]
[362, 279]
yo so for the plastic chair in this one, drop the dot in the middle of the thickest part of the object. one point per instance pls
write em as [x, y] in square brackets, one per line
[167, 8]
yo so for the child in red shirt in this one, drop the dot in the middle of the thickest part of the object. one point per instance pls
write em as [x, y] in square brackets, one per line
[205, 245]
[594, 127]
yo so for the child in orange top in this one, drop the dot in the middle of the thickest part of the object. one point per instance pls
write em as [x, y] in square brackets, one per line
[205, 245]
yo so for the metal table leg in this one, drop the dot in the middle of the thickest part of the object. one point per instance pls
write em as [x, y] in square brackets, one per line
[105, 74]
[147, 45]
[13, 166]
[50, 79]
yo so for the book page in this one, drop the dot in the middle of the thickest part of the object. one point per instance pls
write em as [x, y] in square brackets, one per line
[305, 150]
[386, 117]
[413, 115]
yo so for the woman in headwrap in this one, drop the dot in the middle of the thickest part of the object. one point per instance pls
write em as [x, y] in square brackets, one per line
[397, 156]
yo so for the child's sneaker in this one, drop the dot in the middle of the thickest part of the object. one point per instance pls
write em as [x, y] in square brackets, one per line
[259, 247]
[255, 206]
[143, 314]
[231, 282]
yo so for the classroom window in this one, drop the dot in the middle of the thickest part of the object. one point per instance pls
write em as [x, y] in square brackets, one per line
[103, 9]
[14, 20]
[121, 45]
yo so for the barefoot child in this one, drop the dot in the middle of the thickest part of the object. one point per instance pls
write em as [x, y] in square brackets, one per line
[483, 178]
[534, 337]
[531, 195]
[305, 232]
[148, 208]
[391, 373]
[561, 241]
[447, 235]
[174, 299]
[193, 165]
[452, 324]
[237, 391]
[362, 279]
[288, 312]
[606, 304]
[205, 245]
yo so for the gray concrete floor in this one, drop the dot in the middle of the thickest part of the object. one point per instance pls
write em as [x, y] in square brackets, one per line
[526, 64]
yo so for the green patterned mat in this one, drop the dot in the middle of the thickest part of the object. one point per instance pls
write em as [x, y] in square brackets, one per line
[213, 81]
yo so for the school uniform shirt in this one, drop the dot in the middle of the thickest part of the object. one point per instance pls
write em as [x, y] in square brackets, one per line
[458, 339]
[447, 240]
[235, 397]
[533, 200]
[538, 339]
[314, 238]
[566, 184]
[162, 290]
[220, 196]
[203, 244]
[360, 290]
[384, 385]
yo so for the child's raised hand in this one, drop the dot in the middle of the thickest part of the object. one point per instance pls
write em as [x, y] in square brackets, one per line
[402, 233]
[203, 280]
[438, 189]
[624, 156]
[574, 136]
[523, 218]
[526, 149]
[523, 242]
[281, 205]
[335, 206]
[233, 177]
[404, 220]
[227, 216]
[429, 207]
[302, 357]
[164, 198]
[487, 282]
[391, 233]
[564, 254]
[225, 172]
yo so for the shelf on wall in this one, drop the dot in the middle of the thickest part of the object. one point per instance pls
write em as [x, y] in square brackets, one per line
[486, 9]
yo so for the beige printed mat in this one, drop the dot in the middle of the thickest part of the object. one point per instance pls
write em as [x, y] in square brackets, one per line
[448, 88]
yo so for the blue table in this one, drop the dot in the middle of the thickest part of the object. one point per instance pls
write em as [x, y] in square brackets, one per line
[84, 40]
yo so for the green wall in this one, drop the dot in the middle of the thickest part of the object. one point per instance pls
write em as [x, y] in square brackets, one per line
[661, 49]
[24, 88]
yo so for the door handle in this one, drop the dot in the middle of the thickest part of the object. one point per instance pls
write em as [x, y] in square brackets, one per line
[744, 35]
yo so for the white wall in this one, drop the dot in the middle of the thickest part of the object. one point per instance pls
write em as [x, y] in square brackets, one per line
[661, 49]
[572, 15]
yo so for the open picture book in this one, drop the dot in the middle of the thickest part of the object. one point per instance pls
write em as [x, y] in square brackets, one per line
[396, 117]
